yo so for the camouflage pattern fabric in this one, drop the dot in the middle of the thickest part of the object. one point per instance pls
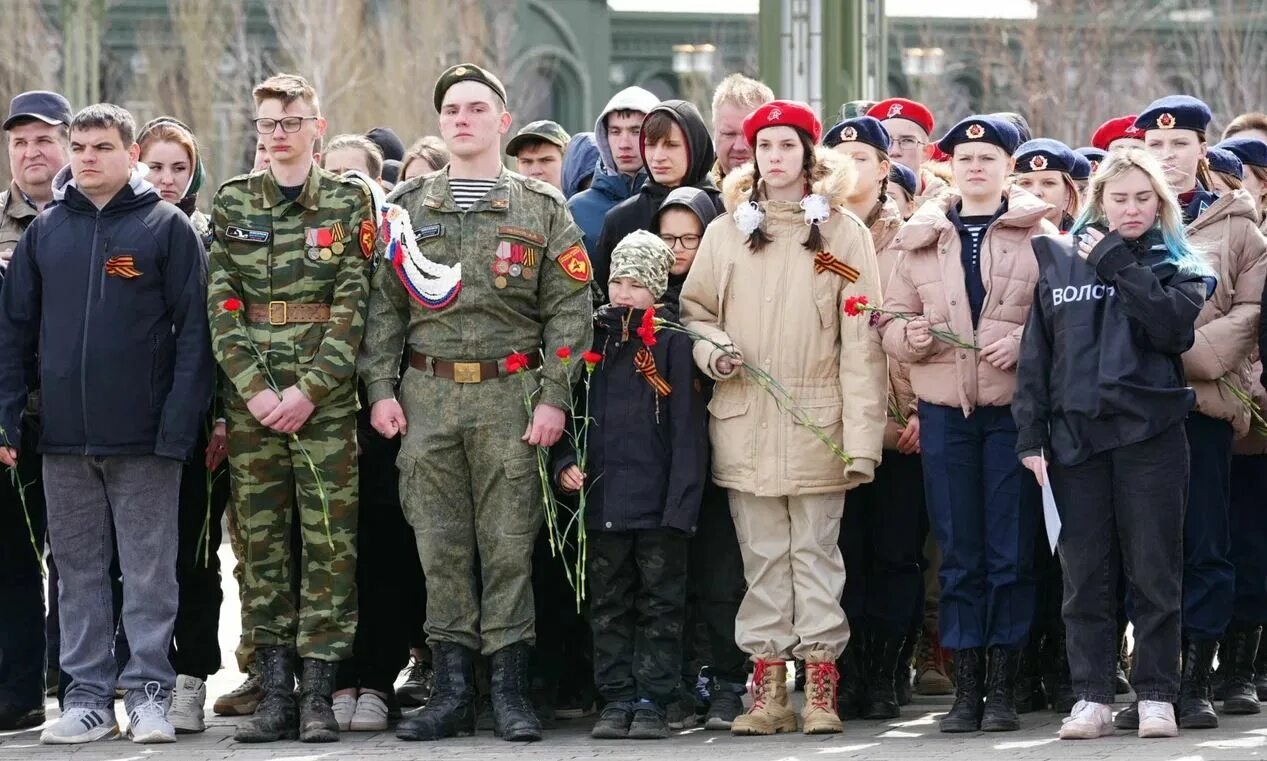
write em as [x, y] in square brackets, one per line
[637, 593]
[260, 254]
[643, 257]
[468, 482]
[269, 479]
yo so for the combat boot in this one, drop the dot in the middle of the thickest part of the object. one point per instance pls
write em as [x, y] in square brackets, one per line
[513, 717]
[770, 713]
[881, 695]
[276, 717]
[316, 714]
[965, 714]
[1241, 696]
[852, 668]
[1030, 694]
[1000, 707]
[818, 717]
[450, 712]
[1195, 709]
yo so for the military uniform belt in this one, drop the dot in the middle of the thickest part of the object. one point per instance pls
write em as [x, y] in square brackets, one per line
[288, 312]
[465, 372]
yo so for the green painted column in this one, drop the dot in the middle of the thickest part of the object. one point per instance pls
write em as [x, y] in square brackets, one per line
[840, 61]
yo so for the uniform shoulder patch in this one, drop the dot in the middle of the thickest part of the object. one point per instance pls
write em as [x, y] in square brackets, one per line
[408, 188]
[239, 179]
[542, 188]
[576, 263]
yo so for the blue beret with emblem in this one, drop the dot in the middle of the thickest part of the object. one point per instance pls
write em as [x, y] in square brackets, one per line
[1044, 154]
[1175, 112]
[981, 129]
[862, 129]
[902, 175]
[1225, 162]
[1250, 150]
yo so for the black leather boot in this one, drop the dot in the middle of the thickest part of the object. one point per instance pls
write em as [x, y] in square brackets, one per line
[852, 686]
[881, 693]
[965, 714]
[1058, 681]
[1241, 695]
[1000, 691]
[904, 675]
[513, 717]
[1030, 695]
[451, 710]
[316, 714]
[277, 716]
[1195, 709]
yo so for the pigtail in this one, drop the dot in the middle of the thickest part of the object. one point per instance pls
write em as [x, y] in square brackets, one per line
[758, 239]
[1204, 177]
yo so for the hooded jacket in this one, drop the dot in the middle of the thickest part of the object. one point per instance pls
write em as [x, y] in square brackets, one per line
[929, 280]
[580, 162]
[1100, 363]
[609, 187]
[115, 300]
[647, 454]
[637, 212]
[786, 318]
[1226, 232]
[699, 203]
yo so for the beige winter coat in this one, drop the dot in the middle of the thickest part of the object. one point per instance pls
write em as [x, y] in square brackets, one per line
[1227, 328]
[884, 229]
[929, 280]
[785, 318]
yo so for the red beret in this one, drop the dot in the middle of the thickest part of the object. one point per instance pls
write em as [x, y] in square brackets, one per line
[1116, 129]
[782, 113]
[901, 108]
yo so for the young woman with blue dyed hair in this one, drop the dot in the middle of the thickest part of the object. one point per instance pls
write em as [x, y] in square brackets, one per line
[1100, 405]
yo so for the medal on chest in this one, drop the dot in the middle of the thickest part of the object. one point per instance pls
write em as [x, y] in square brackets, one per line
[325, 243]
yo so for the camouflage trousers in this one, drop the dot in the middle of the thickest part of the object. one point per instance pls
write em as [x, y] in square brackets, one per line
[637, 594]
[469, 488]
[269, 480]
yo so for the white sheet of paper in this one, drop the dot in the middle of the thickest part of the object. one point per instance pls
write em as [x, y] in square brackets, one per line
[1051, 518]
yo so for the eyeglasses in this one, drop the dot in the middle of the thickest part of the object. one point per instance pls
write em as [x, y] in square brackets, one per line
[689, 242]
[289, 124]
[909, 143]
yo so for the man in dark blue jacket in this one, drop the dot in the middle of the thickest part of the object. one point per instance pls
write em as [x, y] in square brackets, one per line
[110, 285]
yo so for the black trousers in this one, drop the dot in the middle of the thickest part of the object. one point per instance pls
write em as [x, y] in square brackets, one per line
[22, 638]
[391, 590]
[882, 540]
[1123, 510]
[717, 587]
[562, 658]
[196, 644]
[637, 590]
[1248, 521]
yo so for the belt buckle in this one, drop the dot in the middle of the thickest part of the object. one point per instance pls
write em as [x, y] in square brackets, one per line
[273, 306]
[467, 372]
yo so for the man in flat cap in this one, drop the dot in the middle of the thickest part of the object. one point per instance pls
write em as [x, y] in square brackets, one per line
[538, 151]
[468, 458]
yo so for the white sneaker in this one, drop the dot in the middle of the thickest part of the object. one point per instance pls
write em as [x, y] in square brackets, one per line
[147, 718]
[1157, 719]
[344, 707]
[188, 698]
[371, 714]
[81, 725]
[1087, 721]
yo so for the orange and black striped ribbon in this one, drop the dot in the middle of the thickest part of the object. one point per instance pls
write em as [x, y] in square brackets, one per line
[122, 266]
[339, 232]
[825, 262]
[644, 363]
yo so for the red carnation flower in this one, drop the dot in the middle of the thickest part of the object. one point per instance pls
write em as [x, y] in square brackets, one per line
[646, 331]
[232, 304]
[855, 305]
[563, 353]
[516, 362]
[592, 358]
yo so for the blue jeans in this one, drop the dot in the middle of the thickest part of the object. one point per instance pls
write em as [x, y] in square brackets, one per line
[985, 513]
[92, 503]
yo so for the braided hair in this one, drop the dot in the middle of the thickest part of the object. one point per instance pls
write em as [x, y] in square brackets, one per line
[812, 172]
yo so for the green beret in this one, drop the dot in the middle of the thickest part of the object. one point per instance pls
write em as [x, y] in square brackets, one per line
[462, 73]
[550, 132]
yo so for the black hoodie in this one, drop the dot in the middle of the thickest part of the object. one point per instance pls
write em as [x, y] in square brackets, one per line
[637, 211]
[701, 204]
[1100, 363]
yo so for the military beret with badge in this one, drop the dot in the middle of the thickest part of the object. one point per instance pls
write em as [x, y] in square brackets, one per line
[467, 72]
[1114, 129]
[901, 108]
[1250, 150]
[1176, 112]
[1044, 154]
[863, 129]
[782, 113]
[981, 129]
[1094, 157]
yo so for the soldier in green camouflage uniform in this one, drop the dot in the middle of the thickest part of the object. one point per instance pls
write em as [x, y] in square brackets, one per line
[300, 267]
[468, 478]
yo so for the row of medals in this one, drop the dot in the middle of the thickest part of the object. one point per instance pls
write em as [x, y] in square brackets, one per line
[320, 254]
[504, 265]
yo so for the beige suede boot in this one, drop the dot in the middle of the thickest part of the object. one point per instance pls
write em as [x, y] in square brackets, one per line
[769, 713]
[819, 716]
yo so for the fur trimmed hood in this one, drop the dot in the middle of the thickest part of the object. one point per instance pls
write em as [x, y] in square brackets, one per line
[833, 176]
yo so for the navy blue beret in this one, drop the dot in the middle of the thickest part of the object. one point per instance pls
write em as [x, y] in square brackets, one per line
[863, 129]
[981, 129]
[1044, 154]
[1175, 112]
[1081, 168]
[1093, 156]
[1250, 150]
[1225, 161]
[903, 176]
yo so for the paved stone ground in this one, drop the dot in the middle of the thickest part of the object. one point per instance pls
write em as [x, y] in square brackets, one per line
[914, 736]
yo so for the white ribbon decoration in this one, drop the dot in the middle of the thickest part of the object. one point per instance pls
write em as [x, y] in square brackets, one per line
[748, 217]
[817, 208]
